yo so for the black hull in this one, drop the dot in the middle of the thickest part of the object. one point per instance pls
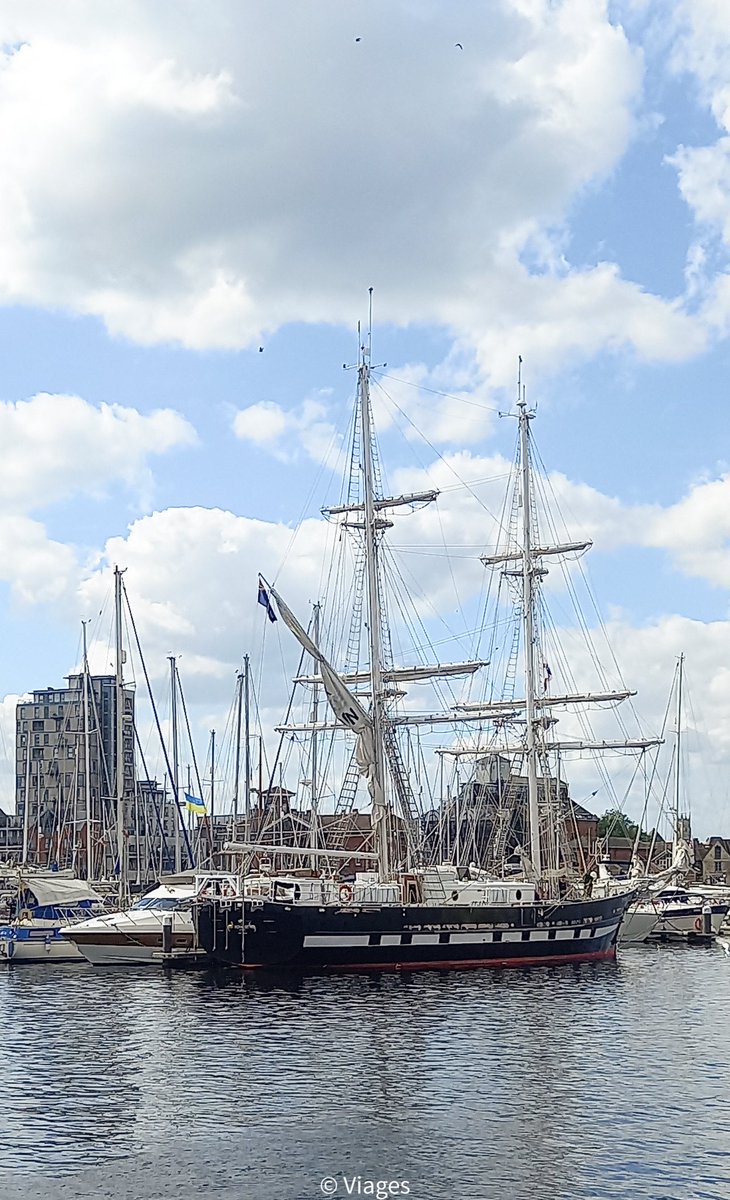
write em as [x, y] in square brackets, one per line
[267, 934]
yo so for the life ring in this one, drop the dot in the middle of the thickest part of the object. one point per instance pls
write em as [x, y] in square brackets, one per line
[698, 923]
[345, 893]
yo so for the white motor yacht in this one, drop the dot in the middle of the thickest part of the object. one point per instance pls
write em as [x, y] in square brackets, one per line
[685, 914]
[157, 928]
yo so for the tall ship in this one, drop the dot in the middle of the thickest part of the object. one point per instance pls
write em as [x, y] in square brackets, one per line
[424, 894]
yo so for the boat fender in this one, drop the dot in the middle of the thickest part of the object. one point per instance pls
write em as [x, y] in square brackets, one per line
[345, 893]
[698, 924]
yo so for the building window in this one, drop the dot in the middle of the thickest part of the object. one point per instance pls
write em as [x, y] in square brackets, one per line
[718, 853]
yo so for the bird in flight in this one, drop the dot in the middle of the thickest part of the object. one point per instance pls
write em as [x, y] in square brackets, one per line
[358, 39]
[458, 45]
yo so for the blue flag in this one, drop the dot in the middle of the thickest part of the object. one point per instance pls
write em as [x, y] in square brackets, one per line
[265, 601]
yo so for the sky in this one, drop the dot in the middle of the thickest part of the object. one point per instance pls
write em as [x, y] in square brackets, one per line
[195, 203]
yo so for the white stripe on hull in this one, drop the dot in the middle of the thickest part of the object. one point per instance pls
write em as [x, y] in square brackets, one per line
[314, 941]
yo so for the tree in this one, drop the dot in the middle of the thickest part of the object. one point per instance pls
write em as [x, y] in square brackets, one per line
[614, 823]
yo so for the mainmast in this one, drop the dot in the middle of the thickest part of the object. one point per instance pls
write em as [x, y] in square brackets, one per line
[528, 616]
[26, 806]
[211, 818]
[247, 743]
[237, 765]
[87, 765]
[371, 525]
[314, 771]
[678, 748]
[175, 765]
[119, 741]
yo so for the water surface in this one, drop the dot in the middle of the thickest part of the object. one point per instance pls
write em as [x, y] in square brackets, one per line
[583, 1081]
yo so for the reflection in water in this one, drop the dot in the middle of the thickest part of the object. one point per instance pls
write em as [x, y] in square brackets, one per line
[602, 1080]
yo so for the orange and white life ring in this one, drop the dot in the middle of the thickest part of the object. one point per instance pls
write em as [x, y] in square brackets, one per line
[345, 893]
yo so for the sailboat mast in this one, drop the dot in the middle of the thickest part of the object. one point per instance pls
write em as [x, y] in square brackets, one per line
[237, 765]
[119, 746]
[212, 785]
[247, 743]
[314, 804]
[175, 766]
[87, 765]
[529, 635]
[678, 749]
[26, 806]
[373, 597]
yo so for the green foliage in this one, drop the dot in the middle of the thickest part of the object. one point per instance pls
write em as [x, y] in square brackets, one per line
[616, 824]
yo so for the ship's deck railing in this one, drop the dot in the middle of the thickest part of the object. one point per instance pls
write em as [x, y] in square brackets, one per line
[218, 885]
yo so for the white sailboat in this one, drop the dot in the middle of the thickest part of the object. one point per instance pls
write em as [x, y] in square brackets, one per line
[674, 909]
[36, 906]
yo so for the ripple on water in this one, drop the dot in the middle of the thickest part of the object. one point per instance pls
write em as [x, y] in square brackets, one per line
[595, 1081]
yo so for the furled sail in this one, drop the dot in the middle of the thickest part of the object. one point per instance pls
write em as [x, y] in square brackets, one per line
[346, 707]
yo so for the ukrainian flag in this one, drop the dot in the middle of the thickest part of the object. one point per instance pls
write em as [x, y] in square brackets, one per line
[195, 804]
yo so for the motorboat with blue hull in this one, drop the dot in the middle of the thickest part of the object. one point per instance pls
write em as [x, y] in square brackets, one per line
[488, 923]
[37, 906]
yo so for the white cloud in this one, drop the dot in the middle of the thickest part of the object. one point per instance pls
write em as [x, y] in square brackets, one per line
[286, 433]
[191, 575]
[39, 570]
[7, 751]
[52, 447]
[700, 51]
[205, 179]
[262, 423]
